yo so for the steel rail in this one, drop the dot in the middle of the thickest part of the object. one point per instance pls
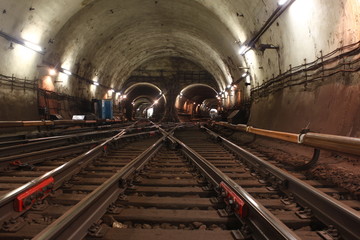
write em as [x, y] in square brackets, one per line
[59, 174]
[324, 207]
[42, 155]
[77, 134]
[349, 145]
[74, 224]
[38, 123]
[27, 145]
[264, 224]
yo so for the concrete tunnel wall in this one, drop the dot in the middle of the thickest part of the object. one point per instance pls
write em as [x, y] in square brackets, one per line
[106, 40]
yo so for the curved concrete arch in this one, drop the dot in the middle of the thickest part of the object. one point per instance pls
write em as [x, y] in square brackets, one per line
[197, 85]
[204, 39]
[133, 86]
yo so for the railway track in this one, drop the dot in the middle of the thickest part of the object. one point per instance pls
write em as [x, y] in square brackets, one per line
[166, 200]
[160, 195]
[191, 184]
[63, 195]
[270, 186]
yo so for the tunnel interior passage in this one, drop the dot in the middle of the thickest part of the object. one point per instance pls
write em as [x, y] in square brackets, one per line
[142, 100]
[291, 64]
[196, 100]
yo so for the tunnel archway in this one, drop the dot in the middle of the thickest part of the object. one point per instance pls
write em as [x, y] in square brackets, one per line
[171, 74]
[195, 101]
[139, 98]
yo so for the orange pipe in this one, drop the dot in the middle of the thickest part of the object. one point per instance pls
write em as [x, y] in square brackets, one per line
[329, 142]
[289, 137]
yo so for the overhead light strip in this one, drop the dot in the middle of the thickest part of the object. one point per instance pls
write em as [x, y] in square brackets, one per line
[283, 5]
[22, 42]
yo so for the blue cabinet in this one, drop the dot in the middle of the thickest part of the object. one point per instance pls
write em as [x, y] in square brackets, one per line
[105, 109]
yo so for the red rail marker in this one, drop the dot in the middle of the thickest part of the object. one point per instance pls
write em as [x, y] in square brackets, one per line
[15, 163]
[235, 201]
[25, 200]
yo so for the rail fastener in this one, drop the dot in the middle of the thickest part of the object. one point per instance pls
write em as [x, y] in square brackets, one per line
[25, 200]
[233, 200]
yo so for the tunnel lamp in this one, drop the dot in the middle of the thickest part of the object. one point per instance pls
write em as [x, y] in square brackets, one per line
[33, 46]
[156, 101]
[194, 103]
[111, 90]
[96, 83]
[282, 2]
[124, 96]
[245, 74]
[67, 72]
[52, 72]
[243, 49]
[22, 42]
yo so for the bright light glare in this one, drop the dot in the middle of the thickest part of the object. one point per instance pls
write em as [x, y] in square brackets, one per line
[52, 72]
[124, 96]
[33, 46]
[149, 112]
[243, 49]
[67, 72]
[244, 74]
[156, 102]
[96, 83]
[282, 2]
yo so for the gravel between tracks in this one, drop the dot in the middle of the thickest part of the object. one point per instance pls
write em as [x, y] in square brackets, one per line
[340, 169]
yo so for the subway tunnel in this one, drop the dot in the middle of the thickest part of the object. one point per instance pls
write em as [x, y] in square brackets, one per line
[281, 66]
[299, 64]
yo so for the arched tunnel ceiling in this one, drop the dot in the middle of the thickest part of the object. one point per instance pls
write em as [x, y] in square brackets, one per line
[198, 93]
[112, 38]
[109, 38]
[142, 90]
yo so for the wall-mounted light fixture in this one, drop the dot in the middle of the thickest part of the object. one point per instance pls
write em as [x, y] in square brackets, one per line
[96, 83]
[245, 74]
[282, 2]
[67, 72]
[52, 71]
[263, 47]
[247, 45]
[243, 49]
[22, 42]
